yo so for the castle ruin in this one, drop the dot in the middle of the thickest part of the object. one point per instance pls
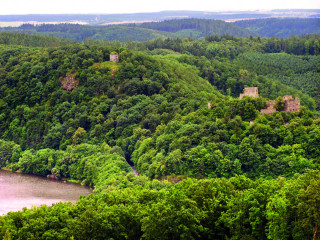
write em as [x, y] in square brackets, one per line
[270, 109]
[290, 104]
[114, 57]
[250, 92]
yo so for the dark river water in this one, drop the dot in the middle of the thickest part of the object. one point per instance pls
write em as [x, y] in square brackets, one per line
[20, 190]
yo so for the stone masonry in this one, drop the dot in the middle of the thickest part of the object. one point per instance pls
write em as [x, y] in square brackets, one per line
[250, 92]
[270, 109]
[114, 57]
[290, 105]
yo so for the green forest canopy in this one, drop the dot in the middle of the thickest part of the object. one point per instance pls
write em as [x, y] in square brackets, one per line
[175, 28]
[236, 179]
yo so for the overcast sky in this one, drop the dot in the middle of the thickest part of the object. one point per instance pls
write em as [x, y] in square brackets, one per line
[131, 6]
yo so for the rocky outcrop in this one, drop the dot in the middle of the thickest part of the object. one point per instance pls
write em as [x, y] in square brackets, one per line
[69, 82]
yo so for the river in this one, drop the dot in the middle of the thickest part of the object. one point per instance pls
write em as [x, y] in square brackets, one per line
[19, 190]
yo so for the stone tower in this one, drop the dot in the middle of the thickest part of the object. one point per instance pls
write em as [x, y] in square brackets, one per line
[250, 92]
[114, 57]
[290, 104]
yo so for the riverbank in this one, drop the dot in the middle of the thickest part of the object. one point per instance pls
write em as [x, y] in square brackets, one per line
[51, 177]
[20, 190]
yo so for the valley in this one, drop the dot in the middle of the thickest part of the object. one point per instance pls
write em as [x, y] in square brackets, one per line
[151, 118]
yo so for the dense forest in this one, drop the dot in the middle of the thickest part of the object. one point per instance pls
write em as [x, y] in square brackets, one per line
[206, 27]
[235, 208]
[196, 28]
[218, 172]
[278, 27]
[177, 28]
[77, 32]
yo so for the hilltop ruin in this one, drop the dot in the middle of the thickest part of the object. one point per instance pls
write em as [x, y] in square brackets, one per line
[114, 57]
[290, 104]
[250, 92]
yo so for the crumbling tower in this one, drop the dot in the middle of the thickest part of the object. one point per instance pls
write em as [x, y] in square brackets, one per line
[290, 104]
[250, 92]
[114, 57]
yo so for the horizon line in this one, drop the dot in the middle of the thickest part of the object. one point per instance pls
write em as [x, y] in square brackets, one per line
[213, 11]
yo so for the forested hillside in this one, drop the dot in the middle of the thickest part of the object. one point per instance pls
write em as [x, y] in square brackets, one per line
[32, 40]
[218, 172]
[281, 27]
[196, 28]
[204, 26]
[178, 28]
[301, 72]
[78, 32]
[144, 16]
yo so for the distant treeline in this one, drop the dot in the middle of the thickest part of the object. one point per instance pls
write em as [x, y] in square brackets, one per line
[281, 27]
[31, 40]
[157, 16]
[198, 28]
[79, 32]
[182, 28]
[207, 27]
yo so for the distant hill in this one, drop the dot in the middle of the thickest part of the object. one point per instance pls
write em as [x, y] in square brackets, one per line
[154, 16]
[123, 33]
[31, 40]
[281, 27]
[176, 28]
[101, 19]
[182, 28]
[79, 32]
[202, 26]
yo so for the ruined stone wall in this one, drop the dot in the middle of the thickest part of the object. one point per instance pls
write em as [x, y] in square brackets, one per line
[250, 92]
[270, 104]
[291, 105]
[287, 98]
[270, 109]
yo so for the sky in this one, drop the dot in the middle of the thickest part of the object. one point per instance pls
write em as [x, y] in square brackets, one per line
[8, 7]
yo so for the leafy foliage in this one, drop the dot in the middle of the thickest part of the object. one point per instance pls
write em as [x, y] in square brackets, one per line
[151, 110]
[237, 208]
[205, 26]
[278, 27]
